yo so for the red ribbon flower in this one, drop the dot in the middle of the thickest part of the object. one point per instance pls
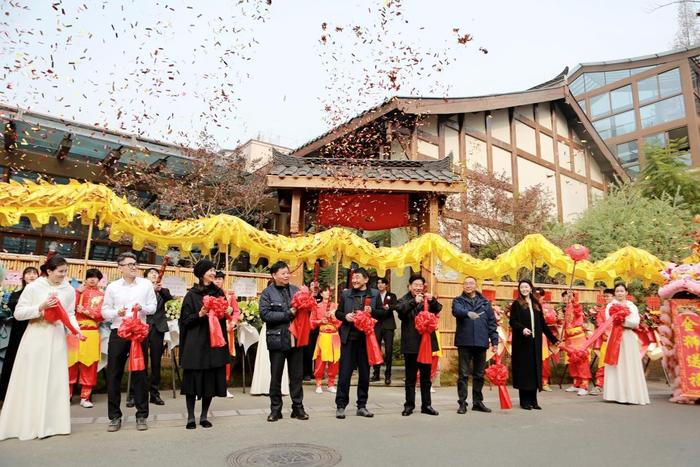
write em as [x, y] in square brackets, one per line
[497, 374]
[618, 312]
[134, 330]
[426, 324]
[577, 252]
[216, 307]
[365, 323]
[305, 304]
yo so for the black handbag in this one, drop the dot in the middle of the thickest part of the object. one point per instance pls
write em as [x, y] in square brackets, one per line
[278, 339]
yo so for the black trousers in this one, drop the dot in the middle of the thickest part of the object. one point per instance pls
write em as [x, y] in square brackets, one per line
[386, 336]
[295, 369]
[117, 356]
[528, 397]
[309, 354]
[155, 354]
[413, 367]
[476, 358]
[353, 354]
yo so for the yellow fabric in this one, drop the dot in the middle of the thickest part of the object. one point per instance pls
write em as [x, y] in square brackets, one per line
[327, 347]
[86, 352]
[438, 352]
[40, 202]
[601, 355]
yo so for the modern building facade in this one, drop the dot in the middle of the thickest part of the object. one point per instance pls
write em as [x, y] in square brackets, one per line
[643, 101]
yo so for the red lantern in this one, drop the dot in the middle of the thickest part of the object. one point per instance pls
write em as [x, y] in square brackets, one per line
[577, 252]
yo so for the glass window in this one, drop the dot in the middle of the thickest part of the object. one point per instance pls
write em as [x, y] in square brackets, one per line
[578, 86]
[63, 248]
[657, 140]
[662, 111]
[634, 71]
[22, 175]
[582, 104]
[633, 170]
[621, 98]
[647, 89]
[603, 127]
[670, 82]
[19, 245]
[628, 152]
[685, 159]
[617, 75]
[623, 123]
[600, 105]
[24, 225]
[594, 80]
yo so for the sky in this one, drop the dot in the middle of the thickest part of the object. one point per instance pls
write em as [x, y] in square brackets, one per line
[218, 73]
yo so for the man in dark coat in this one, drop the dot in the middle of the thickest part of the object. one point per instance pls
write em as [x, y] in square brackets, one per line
[476, 327]
[277, 312]
[353, 350]
[408, 308]
[385, 329]
[157, 327]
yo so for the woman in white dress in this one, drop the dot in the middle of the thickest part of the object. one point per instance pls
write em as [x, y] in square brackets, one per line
[625, 382]
[37, 404]
[261, 373]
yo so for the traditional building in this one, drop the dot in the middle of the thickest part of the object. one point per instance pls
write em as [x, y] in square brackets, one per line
[538, 136]
[643, 101]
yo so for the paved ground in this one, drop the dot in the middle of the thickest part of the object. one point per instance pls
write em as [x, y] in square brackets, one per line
[570, 431]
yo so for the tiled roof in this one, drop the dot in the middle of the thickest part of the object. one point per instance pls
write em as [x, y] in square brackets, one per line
[438, 171]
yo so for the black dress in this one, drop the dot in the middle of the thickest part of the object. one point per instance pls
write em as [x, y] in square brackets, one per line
[204, 366]
[527, 350]
[16, 332]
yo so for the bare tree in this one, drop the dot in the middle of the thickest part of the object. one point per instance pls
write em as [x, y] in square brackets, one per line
[688, 33]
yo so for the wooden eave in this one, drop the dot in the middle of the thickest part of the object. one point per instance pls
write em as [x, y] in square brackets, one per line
[361, 184]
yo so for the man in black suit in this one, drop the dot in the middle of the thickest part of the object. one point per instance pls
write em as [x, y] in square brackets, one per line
[353, 350]
[385, 329]
[157, 327]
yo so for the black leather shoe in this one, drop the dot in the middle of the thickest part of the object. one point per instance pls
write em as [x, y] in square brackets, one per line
[462, 409]
[429, 411]
[406, 412]
[363, 412]
[536, 407]
[274, 416]
[480, 407]
[387, 381]
[526, 407]
[191, 425]
[300, 414]
[340, 413]
[155, 399]
[130, 402]
[374, 379]
[205, 424]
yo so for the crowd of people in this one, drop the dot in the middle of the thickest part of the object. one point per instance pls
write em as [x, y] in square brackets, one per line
[44, 362]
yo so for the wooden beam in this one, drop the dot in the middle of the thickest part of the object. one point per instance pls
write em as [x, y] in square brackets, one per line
[360, 184]
[690, 112]
[294, 222]
[514, 154]
[557, 167]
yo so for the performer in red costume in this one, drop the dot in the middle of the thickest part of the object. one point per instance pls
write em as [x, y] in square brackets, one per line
[602, 343]
[84, 356]
[327, 350]
[575, 337]
[551, 319]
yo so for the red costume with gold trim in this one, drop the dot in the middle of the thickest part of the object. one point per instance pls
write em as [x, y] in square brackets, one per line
[575, 337]
[327, 351]
[550, 318]
[84, 356]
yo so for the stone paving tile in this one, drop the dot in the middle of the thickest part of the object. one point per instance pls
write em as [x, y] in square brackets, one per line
[252, 411]
[104, 420]
[225, 413]
[132, 419]
[81, 420]
[169, 416]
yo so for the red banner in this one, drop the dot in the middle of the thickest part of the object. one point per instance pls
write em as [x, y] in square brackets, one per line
[364, 211]
[686, 332]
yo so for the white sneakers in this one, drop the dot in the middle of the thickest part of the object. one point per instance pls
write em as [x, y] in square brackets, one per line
[596, 391]
[582, 392]
[572, 389]
[332, 389]
[319, 390]
[85, 403]
[432, 389]
[228, 394]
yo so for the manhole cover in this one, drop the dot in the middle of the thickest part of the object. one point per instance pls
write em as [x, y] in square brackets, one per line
[294, 454]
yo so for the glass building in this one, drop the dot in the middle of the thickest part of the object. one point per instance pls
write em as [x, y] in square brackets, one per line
[640, 102]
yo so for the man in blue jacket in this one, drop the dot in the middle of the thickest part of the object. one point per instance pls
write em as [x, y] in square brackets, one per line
[476, 326]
